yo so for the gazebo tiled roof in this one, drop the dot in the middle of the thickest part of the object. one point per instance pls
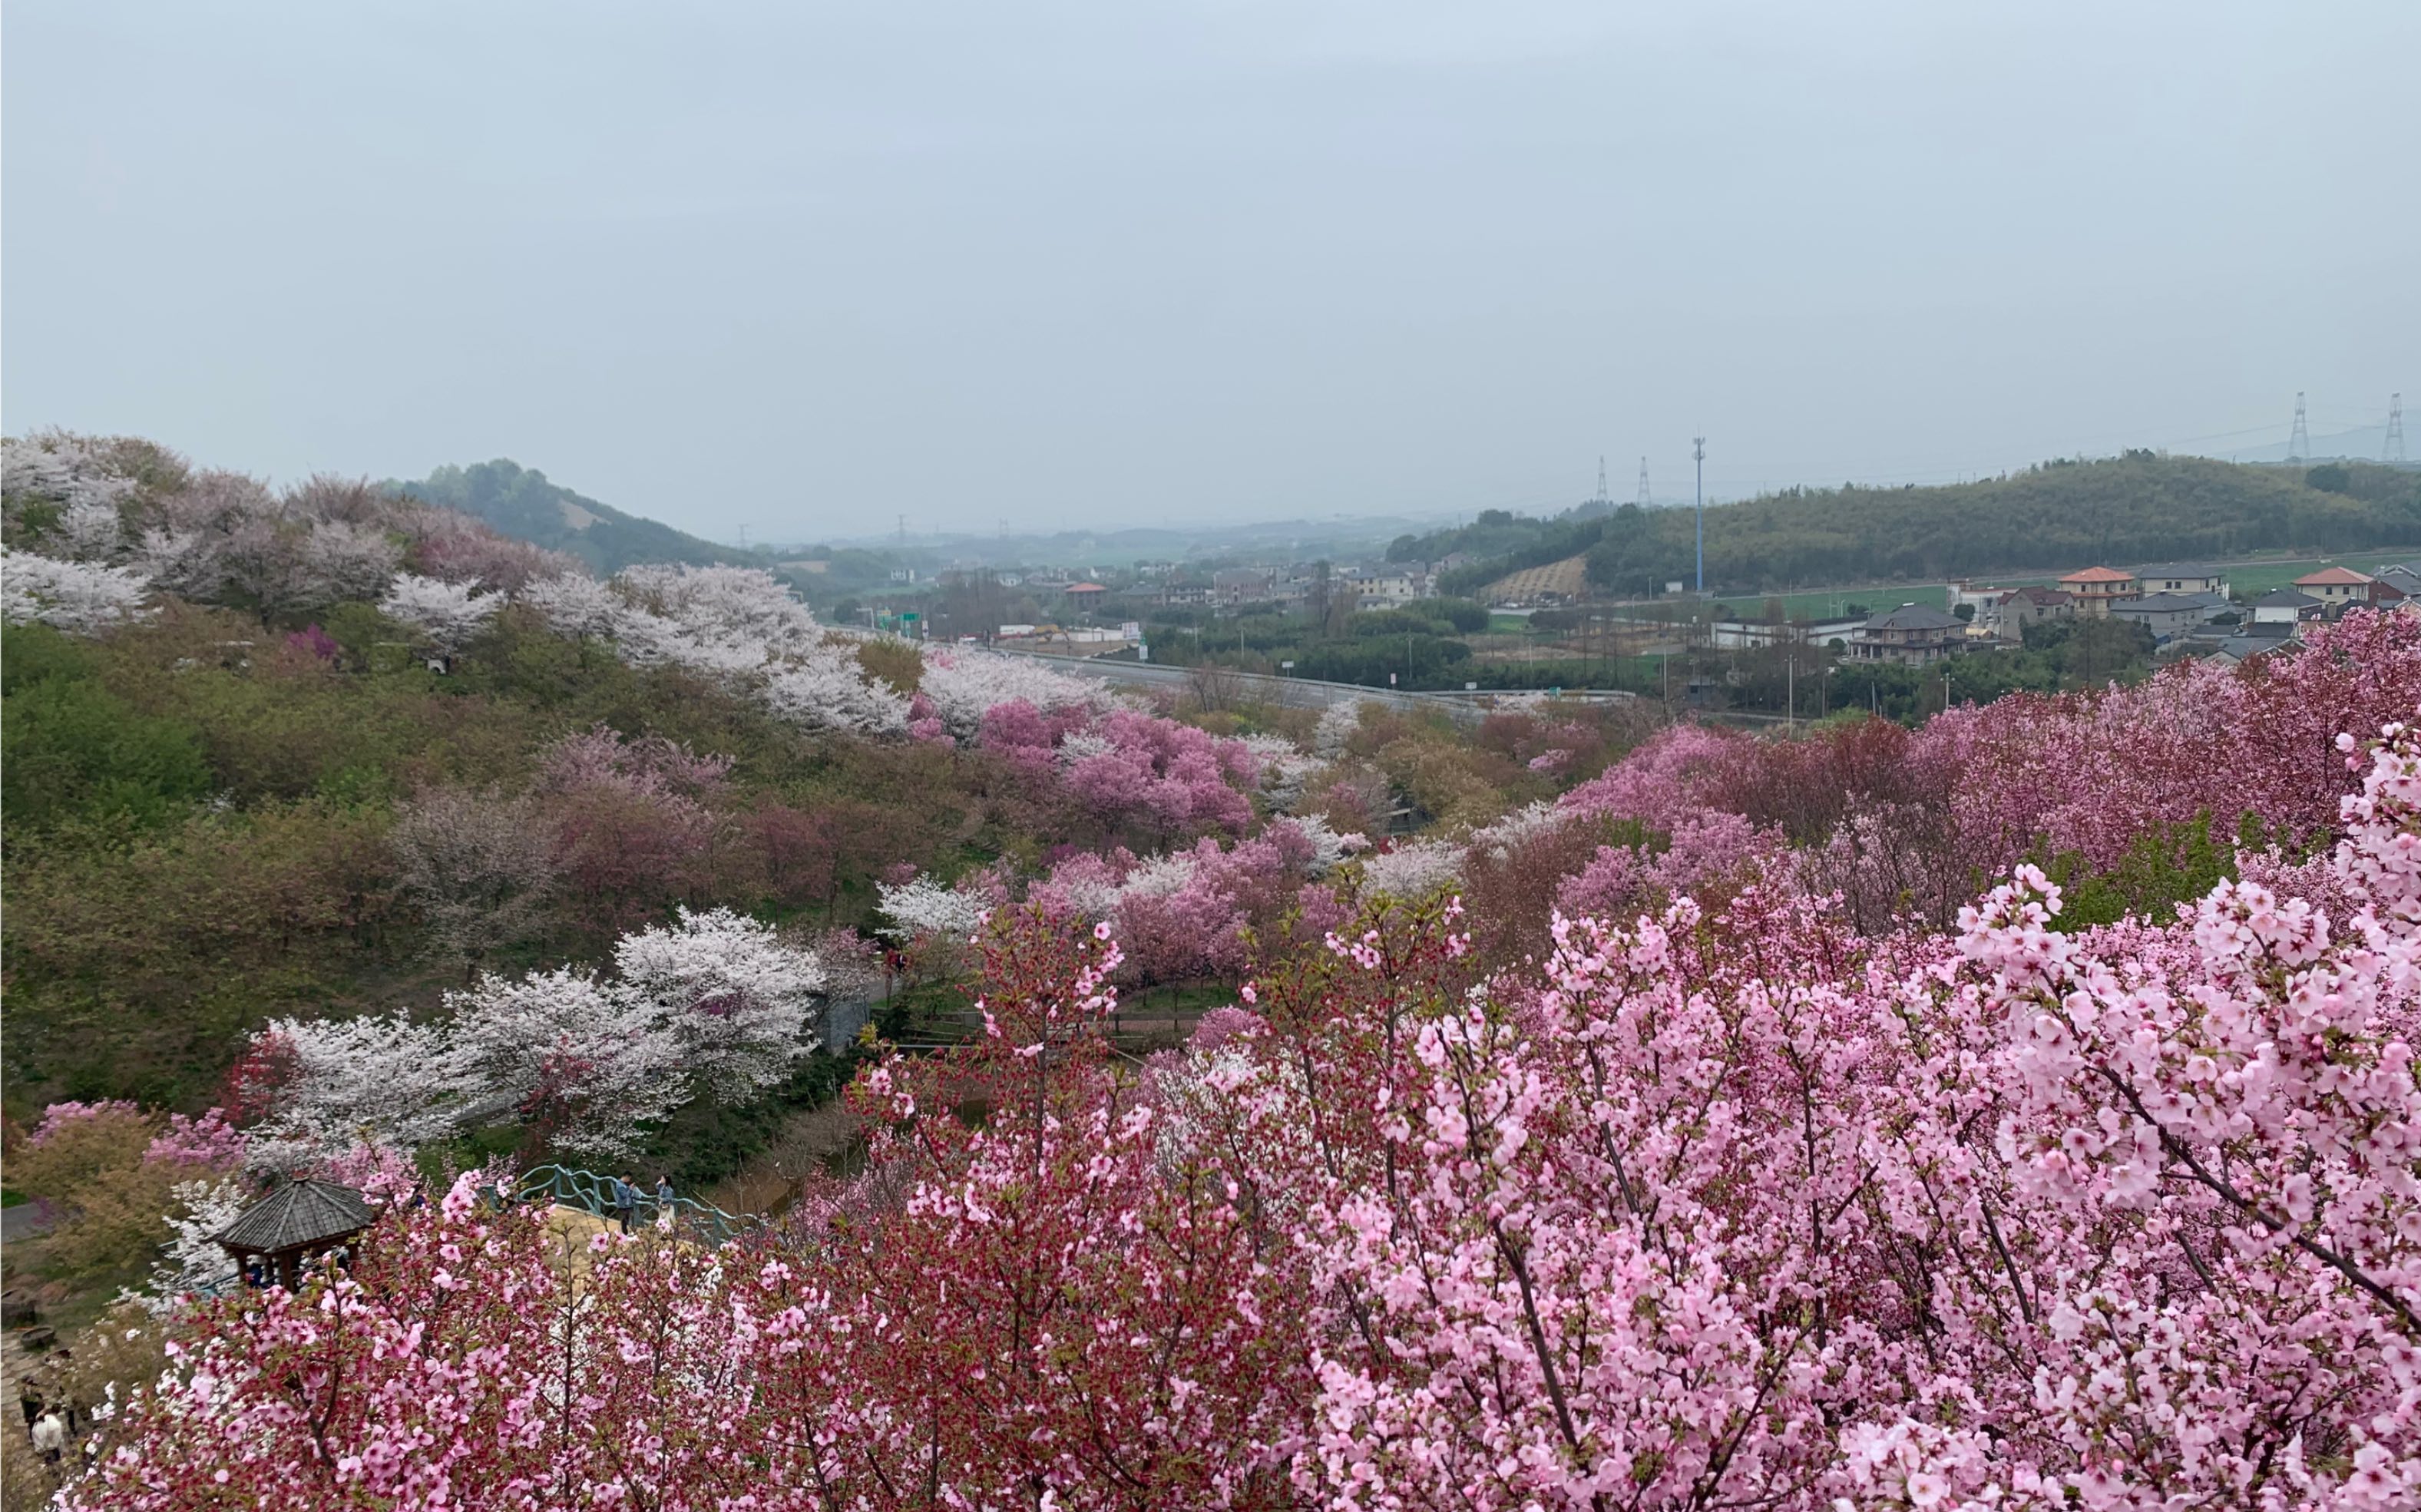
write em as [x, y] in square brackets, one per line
[295, 1216]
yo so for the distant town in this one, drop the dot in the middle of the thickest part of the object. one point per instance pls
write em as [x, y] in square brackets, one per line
[1389, 624]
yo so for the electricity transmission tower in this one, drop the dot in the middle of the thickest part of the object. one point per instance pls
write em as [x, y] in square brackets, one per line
[1698, 455]
[2394, 450]
[2300, 445]
[1601, 500]
[1643, 482]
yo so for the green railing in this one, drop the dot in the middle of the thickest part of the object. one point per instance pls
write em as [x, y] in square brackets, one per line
[563, 1186]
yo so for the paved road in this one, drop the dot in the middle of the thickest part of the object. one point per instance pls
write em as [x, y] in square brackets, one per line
[1292, 692]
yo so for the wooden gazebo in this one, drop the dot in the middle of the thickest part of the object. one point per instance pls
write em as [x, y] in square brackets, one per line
[299, 1221]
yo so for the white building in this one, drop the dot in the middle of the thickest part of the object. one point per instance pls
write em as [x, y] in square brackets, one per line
[1382, 586]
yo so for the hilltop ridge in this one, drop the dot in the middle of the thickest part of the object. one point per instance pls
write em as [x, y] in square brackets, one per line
[523, 503]
[2137, 507]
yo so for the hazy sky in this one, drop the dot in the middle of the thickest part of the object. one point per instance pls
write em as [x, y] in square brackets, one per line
[809, 267]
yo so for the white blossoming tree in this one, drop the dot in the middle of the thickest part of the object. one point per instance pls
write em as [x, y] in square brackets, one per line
[589, 1063]
[1412, 870]
[743, 604]
[736, 999]
[81, 598]
[963, 683]
[574, 604]
[714, 1002]
[825, 689]
[189, 1259]
[448, 613]
[328, 1085]
[64, 470]
[924, 906]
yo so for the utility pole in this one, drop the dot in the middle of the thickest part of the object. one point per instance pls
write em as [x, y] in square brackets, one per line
[1698, 455]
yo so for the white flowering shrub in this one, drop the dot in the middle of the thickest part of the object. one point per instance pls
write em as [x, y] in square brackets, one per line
[1412, 870]
[923, 906]
[448, 615]
[81, 598]
[1338, 722]
[714, 1003]
[189, 1259]
[963, 683]
[736, 999]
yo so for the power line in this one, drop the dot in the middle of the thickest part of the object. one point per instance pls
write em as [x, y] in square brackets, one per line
[2299, 445]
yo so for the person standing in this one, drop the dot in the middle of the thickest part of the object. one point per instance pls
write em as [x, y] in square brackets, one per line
[49, 1437]
[663, 1194]
[625, 1201]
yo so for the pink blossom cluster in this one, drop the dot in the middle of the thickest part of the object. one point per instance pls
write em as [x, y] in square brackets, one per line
[1701, 849]
[1192, 912]
[1743, 1193]
[60, 1117]
[1131, 767]
[209, 1141]
[1907, 823]
[1728, 1206]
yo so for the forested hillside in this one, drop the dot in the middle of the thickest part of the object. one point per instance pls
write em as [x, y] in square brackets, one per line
[523, 504]
[2127, 509]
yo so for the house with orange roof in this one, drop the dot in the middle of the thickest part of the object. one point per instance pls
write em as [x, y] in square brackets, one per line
[2335, 587]
[2096, 589]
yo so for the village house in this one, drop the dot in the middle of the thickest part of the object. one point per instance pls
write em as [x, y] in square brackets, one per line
[2237, 649]
[2096, 589]
[1910, 635]
[2336, 586]
[2168, 614]
[2402, 581]
[1755, 635]
[2007, 612]
[1232, 585]
[2285, 606]
[1381, 587]
[2182, 577]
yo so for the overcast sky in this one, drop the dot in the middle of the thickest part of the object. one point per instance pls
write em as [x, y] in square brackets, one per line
[810, 267]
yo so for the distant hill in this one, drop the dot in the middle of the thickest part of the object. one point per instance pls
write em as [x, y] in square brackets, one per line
[2134, 508]
[519, 501]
